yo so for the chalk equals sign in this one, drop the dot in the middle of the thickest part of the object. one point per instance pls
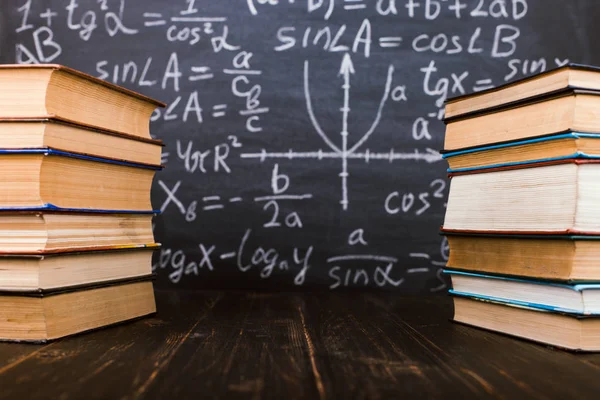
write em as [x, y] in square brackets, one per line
[482, 84]
[155, 19]
[201, 73]
[209, 199]
[390, 41]
[164, 157]
[418, 270]
[354, 5]
[219, 110]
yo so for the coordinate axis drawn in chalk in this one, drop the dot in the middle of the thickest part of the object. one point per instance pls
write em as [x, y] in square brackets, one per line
[346, 152]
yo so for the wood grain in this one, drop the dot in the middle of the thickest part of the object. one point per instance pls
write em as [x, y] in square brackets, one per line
[295, 346]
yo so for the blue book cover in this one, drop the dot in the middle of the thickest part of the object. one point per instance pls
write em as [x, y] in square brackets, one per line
[46, 151]
[53, 208]
[521, 304]
[578, 287]
[579, 155]
[512, 302]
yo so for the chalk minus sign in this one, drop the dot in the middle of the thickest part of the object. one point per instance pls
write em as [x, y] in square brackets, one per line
[227, 255]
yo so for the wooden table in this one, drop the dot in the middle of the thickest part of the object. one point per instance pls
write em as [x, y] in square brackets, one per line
[292, 345]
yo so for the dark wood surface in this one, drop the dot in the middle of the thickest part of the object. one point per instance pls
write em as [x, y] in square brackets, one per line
[295, 345]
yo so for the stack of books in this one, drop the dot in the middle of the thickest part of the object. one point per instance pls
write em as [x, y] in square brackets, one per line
[76, 167]
[523, 214]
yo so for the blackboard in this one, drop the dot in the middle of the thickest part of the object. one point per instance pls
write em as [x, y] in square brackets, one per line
[301, 136]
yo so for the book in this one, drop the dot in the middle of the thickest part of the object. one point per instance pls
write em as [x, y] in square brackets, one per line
[50, 90]
[57, 134]
[521, 219]
[572, 110]
[33, 178]
[520, 91]
[34, 273]
[572, 145]
[559, 198]
[567, 258]
[52, 314]
[43, 232]
[563, 330]
[581, 299]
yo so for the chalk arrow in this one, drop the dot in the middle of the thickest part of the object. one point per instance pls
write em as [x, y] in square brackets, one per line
[346, 69]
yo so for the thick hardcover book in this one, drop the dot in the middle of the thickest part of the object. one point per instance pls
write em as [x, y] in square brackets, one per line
[564, 330]
[557, 257]
[46, 151]
[577, 159]
[522, 91]
[576, 299]
[34, 272]
[39, 232]
[553, 197]
[50, 90]
[51, 314]
[525, 153]
[570, 110]
[52, 179]
[58, 134]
